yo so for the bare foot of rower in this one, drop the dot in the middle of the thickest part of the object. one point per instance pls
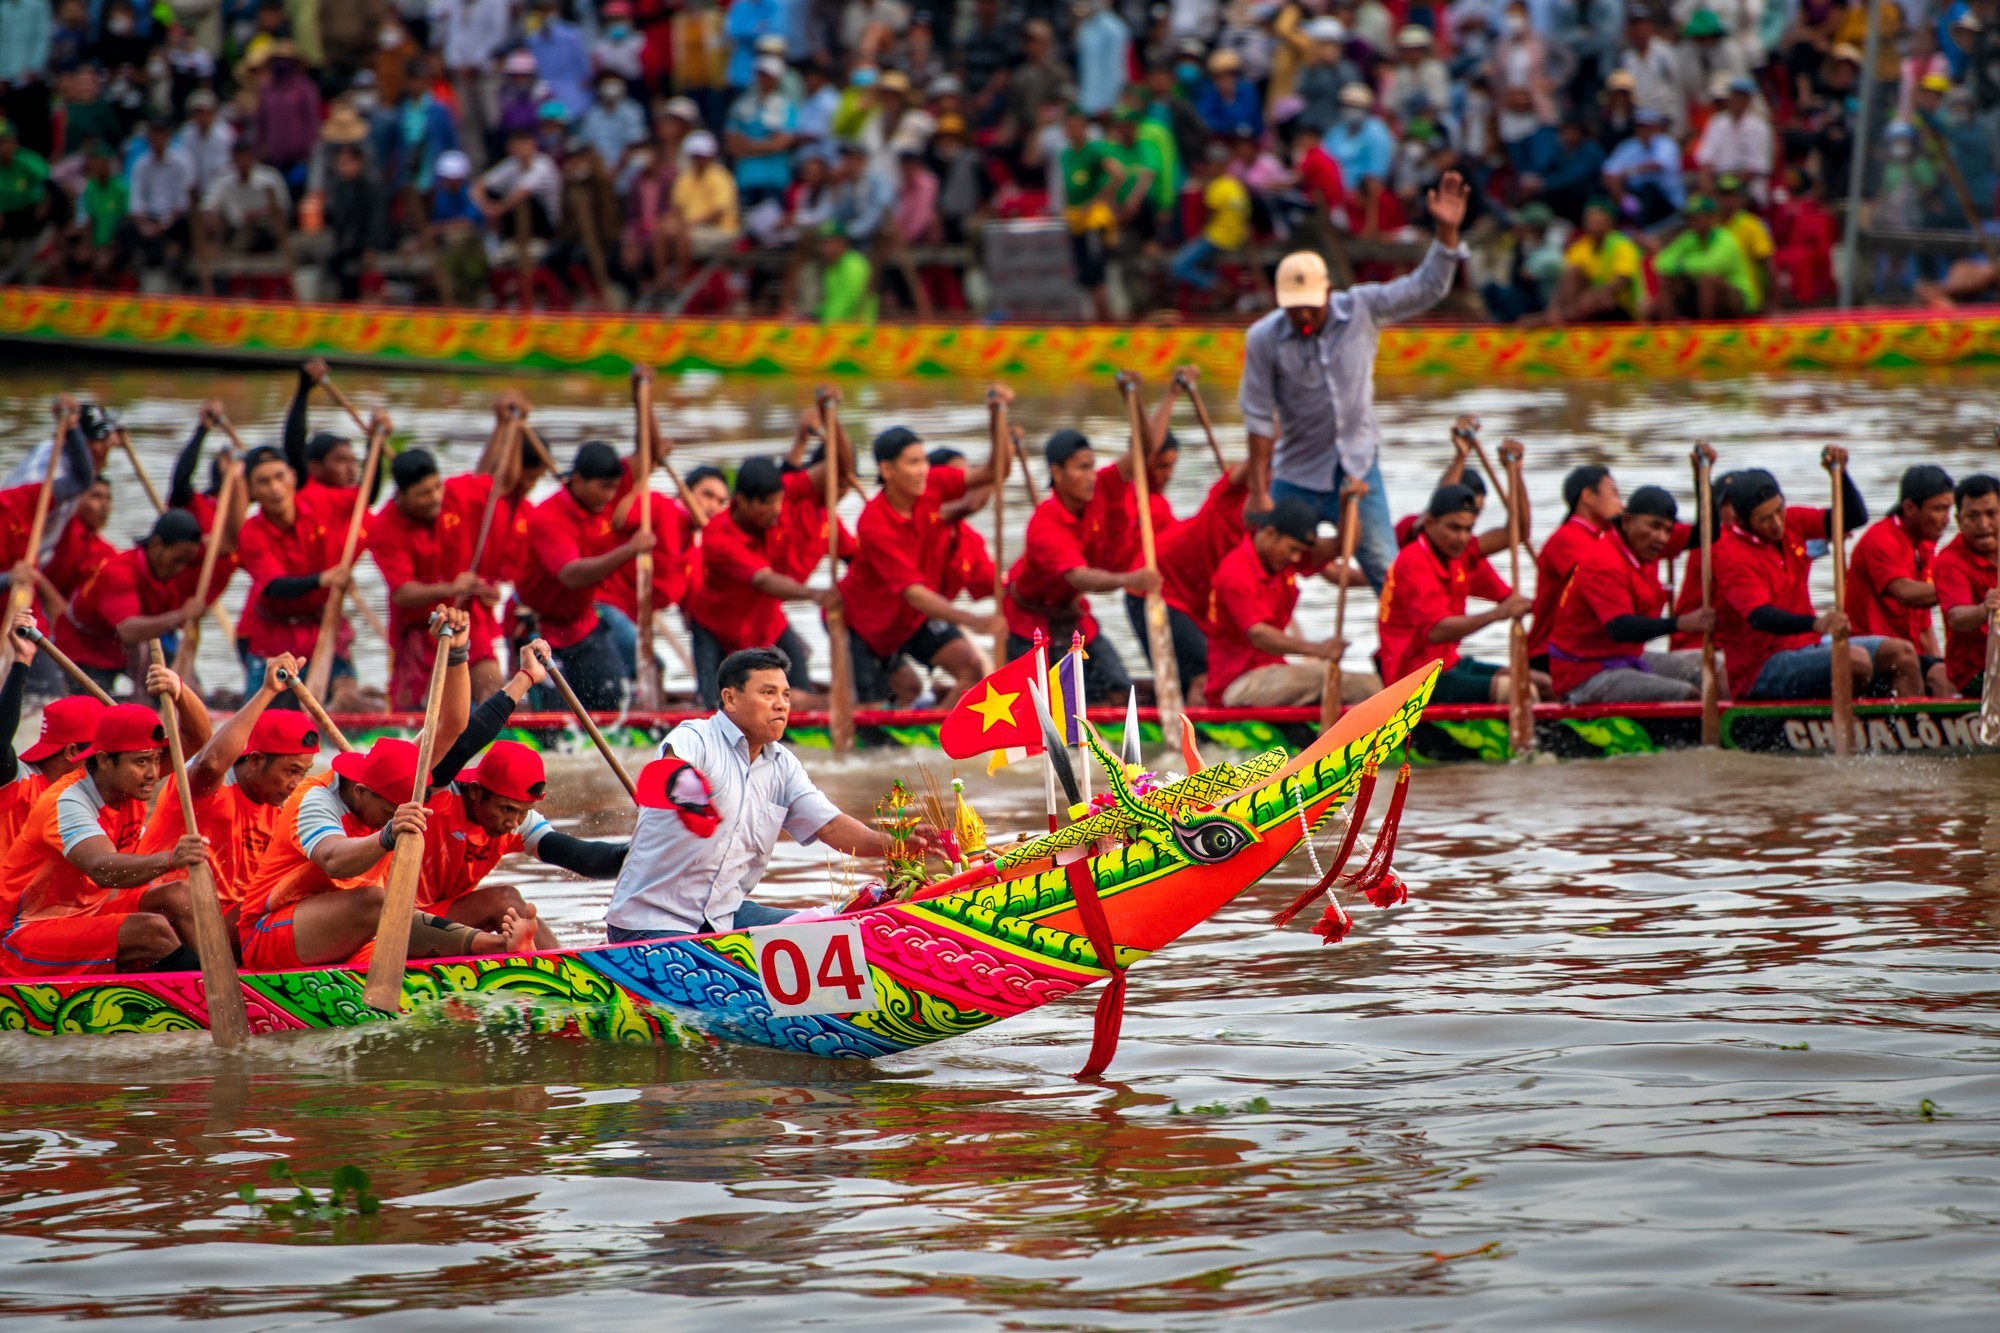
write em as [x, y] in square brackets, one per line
[516, 934]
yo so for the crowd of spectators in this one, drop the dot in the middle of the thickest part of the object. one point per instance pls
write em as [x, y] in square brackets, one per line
[1662, 159]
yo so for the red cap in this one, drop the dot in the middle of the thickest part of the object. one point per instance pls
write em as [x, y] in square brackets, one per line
[661, 786]
[282, 731]
[389, 768]
[127, 729]
[510, 771]
[71, 721]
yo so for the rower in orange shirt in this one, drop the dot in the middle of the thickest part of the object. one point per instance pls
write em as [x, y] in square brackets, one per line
[79, 895]
[316, 896]
[248, 769]
[482, 814]
[67, 726]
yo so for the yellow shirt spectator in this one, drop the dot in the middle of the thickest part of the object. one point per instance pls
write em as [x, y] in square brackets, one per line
[1228, 225]
[1755, 239]
[1617, 260]
[707, 199]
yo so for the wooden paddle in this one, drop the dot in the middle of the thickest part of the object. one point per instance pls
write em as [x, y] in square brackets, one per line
[346, 405]
[1027, 471]
[21, 593]
[646, 684]
[1521, 695]
[228, 1021]
[190, 643]
[1351, 492]
[384, 990]
[509, 442]
[69, 668]
[1159, 630]
[840, 660]
[1843, 681]
[1989, 693]
[319, 668]
[145, 482]
[1002, 436]
[1711, 680]
[1187, 386]
[541, 449]
[315, 711]
[590, 728]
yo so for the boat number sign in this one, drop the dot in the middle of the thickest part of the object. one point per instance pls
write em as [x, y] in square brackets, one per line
[814, 967]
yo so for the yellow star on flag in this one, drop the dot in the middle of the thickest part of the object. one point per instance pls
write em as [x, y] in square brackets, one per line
[997, 707]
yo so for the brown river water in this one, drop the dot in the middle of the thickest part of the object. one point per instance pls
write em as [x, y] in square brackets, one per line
[1672, 1041]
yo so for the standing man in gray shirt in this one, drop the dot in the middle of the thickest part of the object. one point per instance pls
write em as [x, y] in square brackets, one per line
[1309, 371]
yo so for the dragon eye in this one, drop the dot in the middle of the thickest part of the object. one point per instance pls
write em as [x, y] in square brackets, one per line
[1211, 840]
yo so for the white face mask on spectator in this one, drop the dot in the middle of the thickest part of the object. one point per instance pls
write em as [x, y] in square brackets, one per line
[1514, 22]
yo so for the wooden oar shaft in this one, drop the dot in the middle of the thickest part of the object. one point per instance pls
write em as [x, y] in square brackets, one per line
[541, 449]
[840, 661]
[1329, 699]
[1506, 490]
[510, 433]
[139, 469]
[319, 671]
[228, 1020]
[1843, 680]
[315, 711]
[76, 673]
[1207, 424]
[384, 989]
[1001, 447]
[1521, 694]
[1711, 682]
[590, 727]
[1989, 694]
[346, 404]
[646, 665]
[225, 496]
[1159, 629]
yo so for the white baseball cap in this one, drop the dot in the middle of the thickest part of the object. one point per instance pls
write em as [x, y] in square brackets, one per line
[453, 165]
[700, 144]
[1302, 280]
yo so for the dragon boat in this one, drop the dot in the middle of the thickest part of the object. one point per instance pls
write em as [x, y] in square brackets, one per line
[1458, 733]
[1042, 920]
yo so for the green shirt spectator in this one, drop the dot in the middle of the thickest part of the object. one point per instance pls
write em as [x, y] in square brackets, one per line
[845, 297]
[1156, 143]
[105, 204]
[1705, 250]
[23, 173]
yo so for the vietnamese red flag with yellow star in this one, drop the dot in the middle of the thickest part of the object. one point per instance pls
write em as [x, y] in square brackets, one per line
[995, 714]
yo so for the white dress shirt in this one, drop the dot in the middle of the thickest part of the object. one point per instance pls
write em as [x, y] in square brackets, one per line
[163, 184]
[672, 880]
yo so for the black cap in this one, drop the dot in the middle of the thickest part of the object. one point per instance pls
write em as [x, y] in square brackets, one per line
[321, 444]
[1579, 480]
[1291, 517]
[945, 457]
[1063, 446]
[1473, 482]
[596, 461]
[697, 476]
[1453, 499]
[1923, 481]
[96, 422]
[1653, 502]
[1750, 488]
[261, 455]
[174, 528]
[412, 466]
[889, 445]
[1170, 444]
[759, 478]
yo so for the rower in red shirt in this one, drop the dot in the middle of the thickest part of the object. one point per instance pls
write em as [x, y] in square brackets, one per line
[1966, 583]
[751, 565]
[896, 608]
[968, 561]
[1688, 596]
[74, 886]
[1889, 587]
[292, 555]
[325, 463]
[423, 546]
[77, 472]
[1773, 640]
[1422, 612]
[316, 895]
[249, 768]
[1188, 557]
[1494, 540]
[1612, 604]
[81, 550]
[804, 520]
[1251, 600]
[68, 724]
[572, 549]
[1590, 493]
[1064, 556]
[137, 596]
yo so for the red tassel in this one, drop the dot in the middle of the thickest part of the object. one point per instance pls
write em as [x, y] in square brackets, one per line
[1334, 923]
[1376, 879]
[1358, 811]
[1110, 1004]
